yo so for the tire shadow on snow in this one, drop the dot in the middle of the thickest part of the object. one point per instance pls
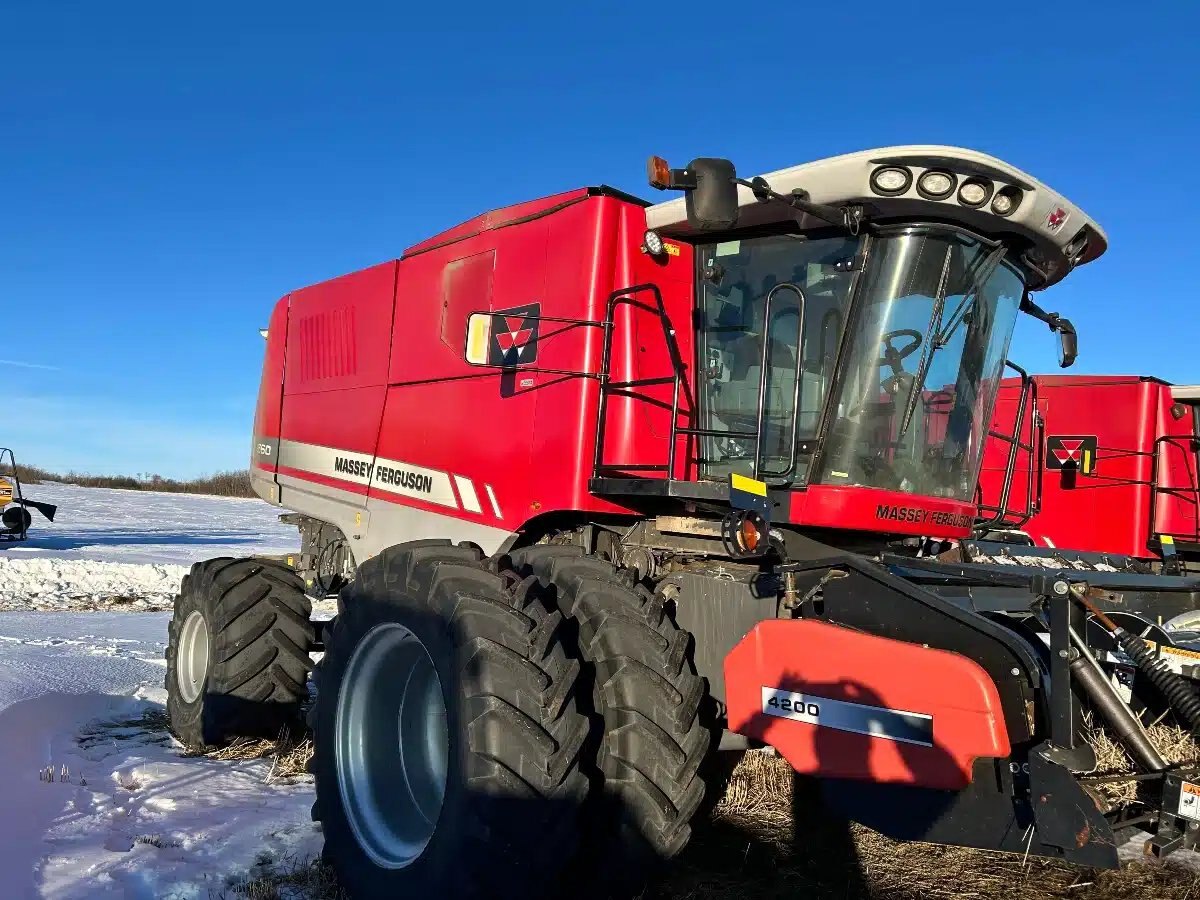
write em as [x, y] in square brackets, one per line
[78, 540]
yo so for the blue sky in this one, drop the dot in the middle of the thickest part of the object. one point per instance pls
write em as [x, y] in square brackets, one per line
[168, 170]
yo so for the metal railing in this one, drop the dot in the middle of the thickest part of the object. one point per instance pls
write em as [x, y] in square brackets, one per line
[1189, 493]
[679, 381]
[999, 514]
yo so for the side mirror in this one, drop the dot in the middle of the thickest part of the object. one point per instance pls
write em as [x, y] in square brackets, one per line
[710, 190]
[712, 205]
[1068, 343]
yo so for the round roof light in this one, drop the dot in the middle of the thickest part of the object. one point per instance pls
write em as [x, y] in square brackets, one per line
[936, 185]
[652, 243]
[974, 193]
[1006, 201]
[891, 180]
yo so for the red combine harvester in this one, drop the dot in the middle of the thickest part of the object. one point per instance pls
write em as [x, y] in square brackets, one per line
[1114, 464]
[605, 486]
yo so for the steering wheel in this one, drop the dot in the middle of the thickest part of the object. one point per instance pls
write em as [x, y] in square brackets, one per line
[892, 357]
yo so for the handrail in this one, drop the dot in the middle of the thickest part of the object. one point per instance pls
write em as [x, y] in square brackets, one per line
[624, 297]
[1193, 486]
[762, 380]
[1003, 515]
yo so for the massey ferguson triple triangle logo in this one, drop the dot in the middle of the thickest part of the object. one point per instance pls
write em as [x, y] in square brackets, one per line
[1076, 451]
[514, 336]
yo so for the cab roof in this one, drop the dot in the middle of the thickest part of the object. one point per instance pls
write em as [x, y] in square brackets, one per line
[1054, 233]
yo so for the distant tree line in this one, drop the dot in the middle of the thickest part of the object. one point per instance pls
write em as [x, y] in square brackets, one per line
[220, 484]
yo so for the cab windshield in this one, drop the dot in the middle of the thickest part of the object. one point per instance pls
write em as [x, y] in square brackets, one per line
[914, 399]
[910, 400]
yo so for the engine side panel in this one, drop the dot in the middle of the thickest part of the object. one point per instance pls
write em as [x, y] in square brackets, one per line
[389, 434]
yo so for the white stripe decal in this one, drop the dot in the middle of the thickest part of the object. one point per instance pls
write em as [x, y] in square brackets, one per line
[466, 490]
[385, 475]
[492, 496]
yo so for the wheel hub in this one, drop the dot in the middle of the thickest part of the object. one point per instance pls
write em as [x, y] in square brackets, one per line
[391, 745]
[191, 665]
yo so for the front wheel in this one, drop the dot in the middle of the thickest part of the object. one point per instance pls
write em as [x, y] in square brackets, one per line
[447, 732]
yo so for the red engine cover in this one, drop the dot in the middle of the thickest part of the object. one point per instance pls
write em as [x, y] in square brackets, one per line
[844, 704]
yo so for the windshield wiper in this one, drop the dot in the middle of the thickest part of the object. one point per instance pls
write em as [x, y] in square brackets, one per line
[989, 264]
[944, 334]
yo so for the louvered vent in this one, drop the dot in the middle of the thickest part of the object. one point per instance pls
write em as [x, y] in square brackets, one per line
[327, 348]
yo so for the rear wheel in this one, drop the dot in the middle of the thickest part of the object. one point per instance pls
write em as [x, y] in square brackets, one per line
[237, 652]
[447, 732]
[653, 736]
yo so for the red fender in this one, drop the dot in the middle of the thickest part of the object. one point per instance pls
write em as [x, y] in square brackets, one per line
[839, 703]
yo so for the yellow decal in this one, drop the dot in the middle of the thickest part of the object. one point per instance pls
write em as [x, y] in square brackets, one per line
[357, 519]
[479, 336]
[1166, 540]
[749, 485]
[1180, 651]
[1087, 462]
[291, 561]
[671, 249]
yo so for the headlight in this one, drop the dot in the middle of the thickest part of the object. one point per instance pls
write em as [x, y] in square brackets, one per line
[974, 193]
[652, 243]
[935, 185]
[1006, 201]
[891, 180]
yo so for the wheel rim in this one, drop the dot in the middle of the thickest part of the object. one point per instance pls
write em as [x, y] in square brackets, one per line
[391, 745]
[191, 666]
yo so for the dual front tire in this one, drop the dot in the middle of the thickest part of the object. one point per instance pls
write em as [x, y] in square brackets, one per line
[529, 726]
[448, 732]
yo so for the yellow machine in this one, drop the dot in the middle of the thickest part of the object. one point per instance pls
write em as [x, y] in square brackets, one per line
[14, 505]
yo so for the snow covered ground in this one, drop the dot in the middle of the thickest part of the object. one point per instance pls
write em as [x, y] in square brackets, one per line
[133, 818]
[128, 548]
[81, 693]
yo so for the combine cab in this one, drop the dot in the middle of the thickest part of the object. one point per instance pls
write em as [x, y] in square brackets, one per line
[14, 505]
[608, 487]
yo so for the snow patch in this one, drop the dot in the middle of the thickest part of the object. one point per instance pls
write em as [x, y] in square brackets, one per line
[114, 549]
[126, 813]
[149, 527]
[51, 583]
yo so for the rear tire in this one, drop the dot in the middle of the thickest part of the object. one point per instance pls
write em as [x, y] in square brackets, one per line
[652, 708]
[510, 734]
[237, 652]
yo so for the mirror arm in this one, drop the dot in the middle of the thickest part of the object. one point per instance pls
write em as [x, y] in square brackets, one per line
[1058, 324]
[848, 217]
[1031, 308]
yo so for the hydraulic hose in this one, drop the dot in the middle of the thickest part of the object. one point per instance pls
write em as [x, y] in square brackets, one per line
[1178, 692]
[1182, 699]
